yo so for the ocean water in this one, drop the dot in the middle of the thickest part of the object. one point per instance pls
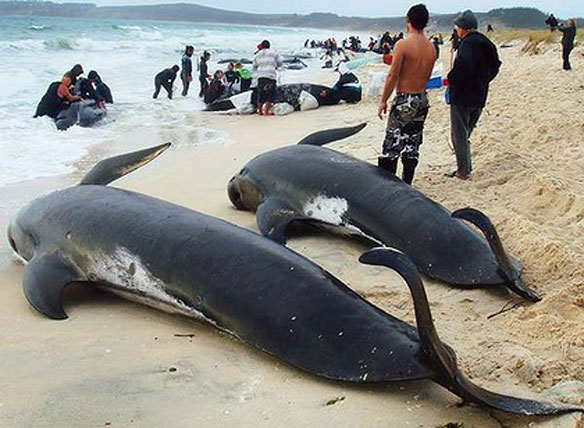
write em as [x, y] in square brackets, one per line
[127, 54]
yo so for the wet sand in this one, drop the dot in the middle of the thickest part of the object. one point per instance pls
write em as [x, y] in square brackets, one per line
[115, 363]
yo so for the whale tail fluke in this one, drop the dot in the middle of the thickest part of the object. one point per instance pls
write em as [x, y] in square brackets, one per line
[115, 167]
[442, 357]
[510, 271]
[322, 138]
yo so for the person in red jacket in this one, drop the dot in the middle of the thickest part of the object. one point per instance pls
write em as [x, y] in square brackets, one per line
[68, 82]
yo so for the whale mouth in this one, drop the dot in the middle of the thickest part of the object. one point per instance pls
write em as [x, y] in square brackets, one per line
[11, 239]
[12, 244]
[235, 195]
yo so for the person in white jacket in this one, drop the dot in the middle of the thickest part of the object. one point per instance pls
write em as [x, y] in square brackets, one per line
[265, 66]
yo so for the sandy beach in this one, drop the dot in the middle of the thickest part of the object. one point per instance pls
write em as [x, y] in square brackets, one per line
[116, 363]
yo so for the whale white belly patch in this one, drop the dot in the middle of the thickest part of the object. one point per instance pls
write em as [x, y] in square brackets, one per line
[129, 278]
[329, 210]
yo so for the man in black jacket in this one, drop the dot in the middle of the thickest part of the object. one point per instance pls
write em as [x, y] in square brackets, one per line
[568, 36]
[476, 65]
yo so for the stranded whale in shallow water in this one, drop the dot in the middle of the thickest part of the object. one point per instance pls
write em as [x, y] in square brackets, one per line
[270, 297]
[309, 182]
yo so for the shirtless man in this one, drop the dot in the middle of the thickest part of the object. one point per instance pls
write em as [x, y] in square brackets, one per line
[413, 61]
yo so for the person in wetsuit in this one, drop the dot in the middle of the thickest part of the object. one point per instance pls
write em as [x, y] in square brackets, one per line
[186, 74]
[216, 88]
[165, 79]
[58, 96]
[204, 73]
[348, 88]
[85, 89]
[101, 88]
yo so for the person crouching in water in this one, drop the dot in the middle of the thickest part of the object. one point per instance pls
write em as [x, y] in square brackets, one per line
[204, 75]
[265, 66]
[101, 88]
[165, 79]
[58, 95]
[216, 88]
[68, 83]
[413, 61]
[85, 89]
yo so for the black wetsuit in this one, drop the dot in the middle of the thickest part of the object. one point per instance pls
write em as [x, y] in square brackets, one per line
[348, 89]
[51, 104]
[85, 89]
[164, 79]
[203, 73]
[231, 76]
[569, 34]
[104, 92]
[214, 91]
[186, 73]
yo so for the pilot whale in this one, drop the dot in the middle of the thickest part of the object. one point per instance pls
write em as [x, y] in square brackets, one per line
[268, 296]
[308, 182]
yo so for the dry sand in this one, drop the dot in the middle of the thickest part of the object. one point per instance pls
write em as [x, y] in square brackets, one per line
[114, 363]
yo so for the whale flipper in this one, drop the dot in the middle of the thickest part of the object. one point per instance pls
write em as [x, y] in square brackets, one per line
[322, 138]
[45, 277]
[273, 218]
[115, 167]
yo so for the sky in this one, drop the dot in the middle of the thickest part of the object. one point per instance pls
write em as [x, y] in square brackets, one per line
[375, 8]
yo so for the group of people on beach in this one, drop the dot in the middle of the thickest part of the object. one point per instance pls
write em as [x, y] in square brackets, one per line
[72, 90]
[235, 79]
[476, 65]
[261, 80]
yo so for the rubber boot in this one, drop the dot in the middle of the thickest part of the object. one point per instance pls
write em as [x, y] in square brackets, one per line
[409, 169]
[387, 164]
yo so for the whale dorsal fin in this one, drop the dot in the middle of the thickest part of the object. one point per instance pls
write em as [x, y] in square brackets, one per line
[44, 279]
[115, 167]
[322, 138]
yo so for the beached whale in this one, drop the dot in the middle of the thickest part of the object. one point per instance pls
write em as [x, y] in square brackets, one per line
[84, 113]
[289, 94]
[309, 182]
[235, 61]
[270, 297]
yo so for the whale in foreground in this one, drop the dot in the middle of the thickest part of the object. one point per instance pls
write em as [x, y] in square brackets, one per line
[307, 182]
[268, 296]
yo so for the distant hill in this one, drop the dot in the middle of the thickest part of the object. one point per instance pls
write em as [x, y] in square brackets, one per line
[509, 18]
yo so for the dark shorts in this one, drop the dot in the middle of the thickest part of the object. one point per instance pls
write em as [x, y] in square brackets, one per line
[266, 90]
[405, 126]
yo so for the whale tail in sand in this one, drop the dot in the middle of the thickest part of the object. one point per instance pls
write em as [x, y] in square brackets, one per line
[441, 356]
[511, 271]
